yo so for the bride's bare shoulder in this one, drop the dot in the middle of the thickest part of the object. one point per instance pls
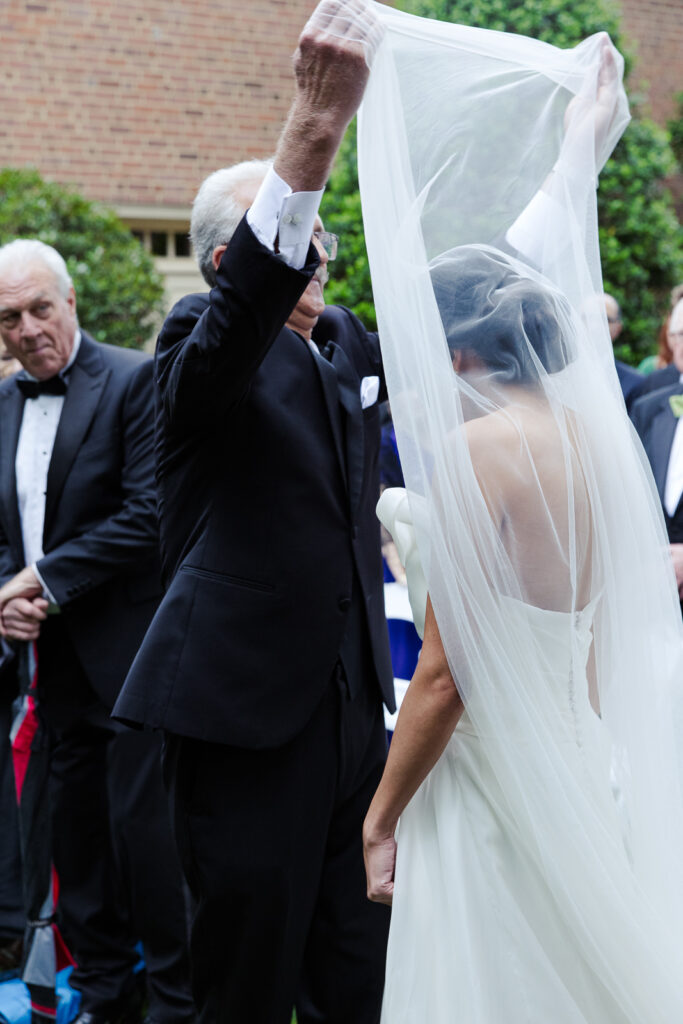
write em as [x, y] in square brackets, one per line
[493, 438]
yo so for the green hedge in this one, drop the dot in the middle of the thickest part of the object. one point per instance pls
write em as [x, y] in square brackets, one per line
[119, 292]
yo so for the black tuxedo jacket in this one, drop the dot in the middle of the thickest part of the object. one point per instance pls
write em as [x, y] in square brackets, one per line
[267, 472]
[664, 378]
[656, 425]
[100, 536]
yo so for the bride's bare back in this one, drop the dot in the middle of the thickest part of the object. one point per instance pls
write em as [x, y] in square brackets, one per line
[535, 490]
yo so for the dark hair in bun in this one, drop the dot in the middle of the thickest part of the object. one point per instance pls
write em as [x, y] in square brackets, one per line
[510, 321]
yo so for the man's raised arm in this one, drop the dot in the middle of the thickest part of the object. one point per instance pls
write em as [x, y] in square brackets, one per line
[331, 64]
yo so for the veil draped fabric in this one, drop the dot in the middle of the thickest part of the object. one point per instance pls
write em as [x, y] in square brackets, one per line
[530, 497]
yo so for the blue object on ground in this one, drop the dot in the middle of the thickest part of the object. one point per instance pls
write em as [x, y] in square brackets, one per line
[15, 1005]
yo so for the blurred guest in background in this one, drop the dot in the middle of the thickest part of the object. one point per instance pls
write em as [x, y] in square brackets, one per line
[660, 369]
[658, 419]
[80, 579]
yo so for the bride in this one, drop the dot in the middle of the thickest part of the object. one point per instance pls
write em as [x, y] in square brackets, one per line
[528, 829]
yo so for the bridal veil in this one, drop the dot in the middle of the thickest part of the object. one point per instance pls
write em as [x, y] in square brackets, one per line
[478, 159]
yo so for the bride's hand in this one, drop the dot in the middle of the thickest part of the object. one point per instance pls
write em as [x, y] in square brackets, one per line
[598, 113]
[379, 852]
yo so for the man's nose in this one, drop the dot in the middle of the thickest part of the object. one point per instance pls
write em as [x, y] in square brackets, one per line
[29, 325]
[324, 258]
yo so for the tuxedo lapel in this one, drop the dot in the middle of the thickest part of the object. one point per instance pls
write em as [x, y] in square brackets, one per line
[662, 436]
[349, 397]
[11, 412]
[328, 378]
[87, 379]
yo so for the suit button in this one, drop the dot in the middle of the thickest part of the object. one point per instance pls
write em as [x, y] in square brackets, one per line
[344, 603]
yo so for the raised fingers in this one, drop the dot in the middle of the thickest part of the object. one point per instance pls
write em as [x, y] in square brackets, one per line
[350, 20]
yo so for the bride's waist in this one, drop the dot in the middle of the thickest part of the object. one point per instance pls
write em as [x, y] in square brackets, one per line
[562, 721]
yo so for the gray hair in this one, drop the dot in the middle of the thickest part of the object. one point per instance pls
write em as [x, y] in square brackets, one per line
[216, 211]
[23, 252]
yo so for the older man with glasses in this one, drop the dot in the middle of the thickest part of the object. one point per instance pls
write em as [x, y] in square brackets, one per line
[268, 660]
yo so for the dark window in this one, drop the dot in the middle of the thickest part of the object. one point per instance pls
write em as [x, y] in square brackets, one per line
[159, 243]
[182, 244]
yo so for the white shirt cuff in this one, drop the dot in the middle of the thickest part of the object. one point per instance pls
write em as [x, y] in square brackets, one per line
[46, 593]
[277, 212]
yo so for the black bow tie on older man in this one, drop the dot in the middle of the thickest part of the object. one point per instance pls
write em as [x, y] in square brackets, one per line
[33, 388]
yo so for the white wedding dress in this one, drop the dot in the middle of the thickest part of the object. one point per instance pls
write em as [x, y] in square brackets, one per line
[539, 877]
[478, 920]
[477, 937]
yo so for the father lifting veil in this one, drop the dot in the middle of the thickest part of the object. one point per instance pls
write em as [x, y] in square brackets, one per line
[535, 872]
[268, 660]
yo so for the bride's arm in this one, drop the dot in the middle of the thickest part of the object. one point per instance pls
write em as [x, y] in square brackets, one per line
[429, 713]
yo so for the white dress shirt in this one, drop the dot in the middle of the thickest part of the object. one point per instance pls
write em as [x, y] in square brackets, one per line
[277, 212]
[34, 450]
[674, 472]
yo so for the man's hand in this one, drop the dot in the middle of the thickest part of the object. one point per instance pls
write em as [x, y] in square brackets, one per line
[24, 584]
[331, 65]
[676, 551]
[22, 606]
[20, 618]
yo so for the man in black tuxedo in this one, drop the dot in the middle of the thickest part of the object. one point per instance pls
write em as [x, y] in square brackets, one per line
[658, 419]
[81, 580]
[268, 659]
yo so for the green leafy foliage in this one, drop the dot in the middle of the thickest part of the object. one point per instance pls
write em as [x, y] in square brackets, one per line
[640, 236]
[559, 22]
[675, 126]
[119, 292]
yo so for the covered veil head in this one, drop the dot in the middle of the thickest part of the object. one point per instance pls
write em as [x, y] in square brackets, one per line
[528, 490]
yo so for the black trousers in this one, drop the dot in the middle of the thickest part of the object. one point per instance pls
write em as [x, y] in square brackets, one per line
[270, 842]
[119, 876]
[12, 917]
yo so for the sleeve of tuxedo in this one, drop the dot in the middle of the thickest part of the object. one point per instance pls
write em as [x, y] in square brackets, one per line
[128, 538]
[636, 414]
[8, 564]
[205, 366]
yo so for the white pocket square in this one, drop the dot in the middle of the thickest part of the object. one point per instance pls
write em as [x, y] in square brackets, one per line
[369, 390]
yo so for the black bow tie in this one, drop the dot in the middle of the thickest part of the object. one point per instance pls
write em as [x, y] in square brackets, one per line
[33, 388]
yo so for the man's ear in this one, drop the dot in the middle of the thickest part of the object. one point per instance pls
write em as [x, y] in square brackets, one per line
[216, 255]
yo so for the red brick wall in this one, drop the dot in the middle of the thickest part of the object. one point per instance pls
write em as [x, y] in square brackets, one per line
[654, 30]
[135, 101]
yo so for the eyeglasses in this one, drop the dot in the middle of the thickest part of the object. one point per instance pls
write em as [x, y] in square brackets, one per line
[328, 241]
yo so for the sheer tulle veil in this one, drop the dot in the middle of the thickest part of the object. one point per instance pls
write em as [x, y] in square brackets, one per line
[478, 159]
